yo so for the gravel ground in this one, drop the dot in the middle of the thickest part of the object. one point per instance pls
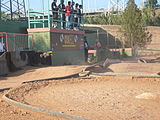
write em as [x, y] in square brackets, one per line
[103, 98]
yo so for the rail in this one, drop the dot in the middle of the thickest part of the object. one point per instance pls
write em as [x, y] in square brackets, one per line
[44, 19]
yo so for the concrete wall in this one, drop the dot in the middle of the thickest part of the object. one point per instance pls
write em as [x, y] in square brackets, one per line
[11, 61]
[13, 26]
[66, 45]
[68, 48]
[3, 64]
[17, 59]
[68, 57]
[41, 41]
[155, 31]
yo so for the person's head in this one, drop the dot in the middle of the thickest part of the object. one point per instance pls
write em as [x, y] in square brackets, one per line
[85, 38]
[69, 3]
[62, 1]
[77, 5]
[80, 6]
[55, 1]
[73, 3]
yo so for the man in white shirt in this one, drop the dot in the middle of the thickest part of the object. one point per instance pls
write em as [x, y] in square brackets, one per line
[1, 47]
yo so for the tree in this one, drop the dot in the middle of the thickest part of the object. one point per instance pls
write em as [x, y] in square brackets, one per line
[100, 19]
[152, 4]
[147, 16]
[133, 29]
[104, 19]
[149, 12]
[115, 19]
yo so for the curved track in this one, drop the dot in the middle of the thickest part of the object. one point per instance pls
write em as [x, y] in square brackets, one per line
[108, 97]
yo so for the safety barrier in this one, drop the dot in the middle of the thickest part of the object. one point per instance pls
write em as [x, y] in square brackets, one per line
[19, 58]
[12, 61]
[3, 64]
[43, 19]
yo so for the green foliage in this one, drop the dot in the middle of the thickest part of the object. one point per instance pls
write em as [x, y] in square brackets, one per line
[4, 16]
[149, 13]
[100, 19]
[147, 16]
[115, 19]
[133, 29]
[152, 4]
[158, 20]
[104, 19]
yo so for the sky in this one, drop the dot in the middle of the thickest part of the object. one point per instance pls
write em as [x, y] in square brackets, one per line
[89, 5]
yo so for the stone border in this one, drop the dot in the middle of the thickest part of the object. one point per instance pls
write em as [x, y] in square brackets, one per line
[123, 75]
[4, 89]
[5, 97]
[65, 77]
[37, 109]
[56, 78]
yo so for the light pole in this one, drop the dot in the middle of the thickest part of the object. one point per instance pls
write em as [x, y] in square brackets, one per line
[0, 11]
[61, 13]
[88, 5]
[142, 3]
[11, 10]
[82, 5]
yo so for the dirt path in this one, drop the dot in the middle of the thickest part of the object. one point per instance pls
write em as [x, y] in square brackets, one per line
[35, 73]
[133, 69]
[10, 112]
[106, 98]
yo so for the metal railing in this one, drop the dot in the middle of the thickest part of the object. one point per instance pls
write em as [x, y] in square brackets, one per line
[44, 19]
[17, 42]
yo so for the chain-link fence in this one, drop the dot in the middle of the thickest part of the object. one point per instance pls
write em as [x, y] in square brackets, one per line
[16, 42]
[111, 46]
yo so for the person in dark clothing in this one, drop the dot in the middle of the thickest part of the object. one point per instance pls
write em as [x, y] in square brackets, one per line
[62, 13]
[72, 14]
[76, 13]
[55, 13]
[86, 47]
[80, 15]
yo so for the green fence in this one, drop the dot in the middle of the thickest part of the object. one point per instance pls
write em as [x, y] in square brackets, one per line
[43, 19]
[17, 42]
[13, 26]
